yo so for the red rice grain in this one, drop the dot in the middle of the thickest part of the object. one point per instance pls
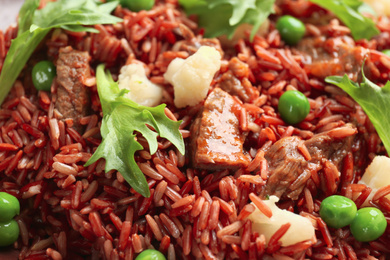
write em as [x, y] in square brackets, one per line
[260, 205]
[214, 215]
[96, 224]
[325, 232]
[55, 255]
[204, 216]
[74, 211]
[207, 254]
[184, 201]
[246, 235]
[230, 229]
[381, 192]
[170, 225]
[274, 243]
[136, 242]
[165, 242]
[230, 239]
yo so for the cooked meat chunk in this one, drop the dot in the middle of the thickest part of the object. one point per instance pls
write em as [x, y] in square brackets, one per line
[285, 163]
[233, 86]
[235, 81]
[326, 145]
[217, 142]
[290, 168]
[72, 95]
[332, 57]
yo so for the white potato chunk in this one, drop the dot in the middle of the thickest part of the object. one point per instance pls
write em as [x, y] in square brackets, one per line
[142, 90]
[376, 176]
[381, 7]
[301, 228]
[191, 78]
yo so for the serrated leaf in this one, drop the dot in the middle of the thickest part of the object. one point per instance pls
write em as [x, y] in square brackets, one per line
[36, 24]
[239, 8]
[73, 12]
[259, 15]
[348, 11]
[373, 99]
[222, 17]
[18, 54]
[123, 118]
[26, 14]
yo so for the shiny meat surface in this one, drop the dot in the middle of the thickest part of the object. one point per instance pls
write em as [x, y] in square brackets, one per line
[332, 57]
[217, 141]
[290, 167]
[72, 95]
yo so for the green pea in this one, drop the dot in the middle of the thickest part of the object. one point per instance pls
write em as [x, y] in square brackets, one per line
[9, 232]
[150, 254]
[368, 225]
[137, 5]
[9, 206]
[337, 211]
[43, 74]
[291, 29]
[293, 106]
[387, 52]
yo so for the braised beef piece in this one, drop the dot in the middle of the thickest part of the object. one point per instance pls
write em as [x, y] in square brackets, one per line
[234, 79]
[336, 56]
[233, 86]
[290, 169]
[216, 138]
[72, 95]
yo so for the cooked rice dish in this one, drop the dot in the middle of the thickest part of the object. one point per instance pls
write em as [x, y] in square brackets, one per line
[248, 181]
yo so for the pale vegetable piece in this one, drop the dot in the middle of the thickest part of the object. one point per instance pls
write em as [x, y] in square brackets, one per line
[376, 176]
[381, 7]
[141, 89]
[191, 78]
[301, 228]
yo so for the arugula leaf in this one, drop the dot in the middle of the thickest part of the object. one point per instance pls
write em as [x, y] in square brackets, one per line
[372, 98]
[66, 14]
[257, 16]
[239, 8]
[19, 52]
[360, 6]
[122, 118]
[193, 6]
[73, 12]
[26, 14]
[79, 28]
[348, 11]
[219, 17]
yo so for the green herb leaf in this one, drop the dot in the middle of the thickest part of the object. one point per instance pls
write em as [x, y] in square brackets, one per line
[222, 17]
[348, 11]
[193, 6]
[372, 98]
[122, 119]
[73, 12]
[79, 28]
[19, 52]
[239, 8]
[26, 14]
[66, 14]
[257, 16]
